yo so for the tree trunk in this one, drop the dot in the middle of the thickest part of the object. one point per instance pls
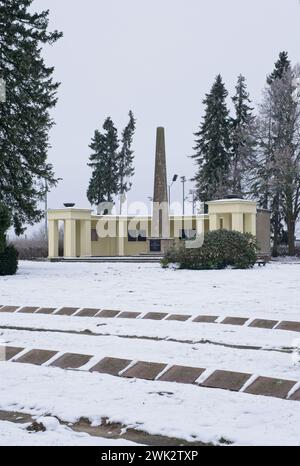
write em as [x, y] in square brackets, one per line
[276, 226]
[291, 236]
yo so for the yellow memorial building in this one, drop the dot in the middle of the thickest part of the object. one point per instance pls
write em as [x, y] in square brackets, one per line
[88, 235]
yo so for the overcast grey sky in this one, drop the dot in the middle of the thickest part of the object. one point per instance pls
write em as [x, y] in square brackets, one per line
[158, 58]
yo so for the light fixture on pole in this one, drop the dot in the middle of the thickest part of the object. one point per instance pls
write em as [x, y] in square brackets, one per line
[170, 186]
[194, 198]
[183, 181]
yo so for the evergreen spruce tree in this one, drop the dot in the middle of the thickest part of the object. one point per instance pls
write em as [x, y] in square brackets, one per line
[126, 157]
[242, 138]
[104, 183]
[24, 117]
[282, 64]
[212, 149]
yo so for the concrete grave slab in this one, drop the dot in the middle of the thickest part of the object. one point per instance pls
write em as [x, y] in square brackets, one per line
[182, 374]
[263, 323]
[46, 310]
[295, 396]
[268, 386]
[108, 313]
[208, 319]
[112, 366]
[178, 317]
[9, 352]
[144, 370]
[67, 311]
[9, 308]
[28, 310]
[129, 315]
[289, 325]
[71, 361]
[87, 312]
[155, 315]
[37, 357]
[226, 380]
[235, 320]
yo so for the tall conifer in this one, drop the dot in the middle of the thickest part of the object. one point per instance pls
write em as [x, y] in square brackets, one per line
[212, 149]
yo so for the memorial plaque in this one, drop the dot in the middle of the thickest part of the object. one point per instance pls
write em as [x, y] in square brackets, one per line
[28, 310]
[46, 310]
[206, 319]
[268, 386]
[129, 315]
[295, 396]
[9, 352]
[87, 312]
[9, 308]
[37, 357]
[71, 361]
[144, 370]
[287, 325]
[67, 311]
[178, 317]
[226, 380]
[263, 323]
[182, 374]
[155, 316]
[234, 320]
[107, 313]
[111, 366]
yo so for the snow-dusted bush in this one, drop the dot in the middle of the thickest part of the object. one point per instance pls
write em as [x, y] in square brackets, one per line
[8, 253]
[221, 249]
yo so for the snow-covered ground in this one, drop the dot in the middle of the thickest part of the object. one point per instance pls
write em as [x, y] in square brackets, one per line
[172, 410]
[12, 434]
[158, 408]
[267, 363]
[267, 291]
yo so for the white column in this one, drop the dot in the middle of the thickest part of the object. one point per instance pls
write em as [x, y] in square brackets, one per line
[53, 238]
[226, 222]
[250, 224]
[70, 238]
[121, 235]
[238, 222]
[213, 222]
[85, 238]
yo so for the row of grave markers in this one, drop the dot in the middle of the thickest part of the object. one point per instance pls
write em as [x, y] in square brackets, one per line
[154, 371]
[107, 313]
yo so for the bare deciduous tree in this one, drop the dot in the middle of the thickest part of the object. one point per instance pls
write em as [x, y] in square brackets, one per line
[277, 166]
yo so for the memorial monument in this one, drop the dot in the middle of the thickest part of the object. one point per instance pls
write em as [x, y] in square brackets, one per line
[160, 240]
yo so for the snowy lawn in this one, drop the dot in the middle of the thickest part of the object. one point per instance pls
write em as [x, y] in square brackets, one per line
[264, 292]
[175, 410]
[265, 363]
[158, 408]
[55, 435]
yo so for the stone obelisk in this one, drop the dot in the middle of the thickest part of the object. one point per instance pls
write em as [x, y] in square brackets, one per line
[160, 231]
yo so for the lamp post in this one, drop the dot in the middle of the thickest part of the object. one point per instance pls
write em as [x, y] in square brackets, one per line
[183, 181]
[193, 193]
[170, 186]
[46, 208]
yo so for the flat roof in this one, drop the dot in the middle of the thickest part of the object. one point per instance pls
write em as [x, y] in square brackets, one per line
[230, 201]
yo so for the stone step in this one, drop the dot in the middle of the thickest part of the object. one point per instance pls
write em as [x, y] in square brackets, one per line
[115, 259]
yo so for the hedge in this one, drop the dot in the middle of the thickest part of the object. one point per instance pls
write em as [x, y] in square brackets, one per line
[221, 249]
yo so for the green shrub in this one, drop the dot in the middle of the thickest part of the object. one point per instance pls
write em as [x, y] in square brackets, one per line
[221, 249]
[9, 260]
[8, 253]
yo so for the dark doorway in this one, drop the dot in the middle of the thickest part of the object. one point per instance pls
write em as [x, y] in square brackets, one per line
[155, 245]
